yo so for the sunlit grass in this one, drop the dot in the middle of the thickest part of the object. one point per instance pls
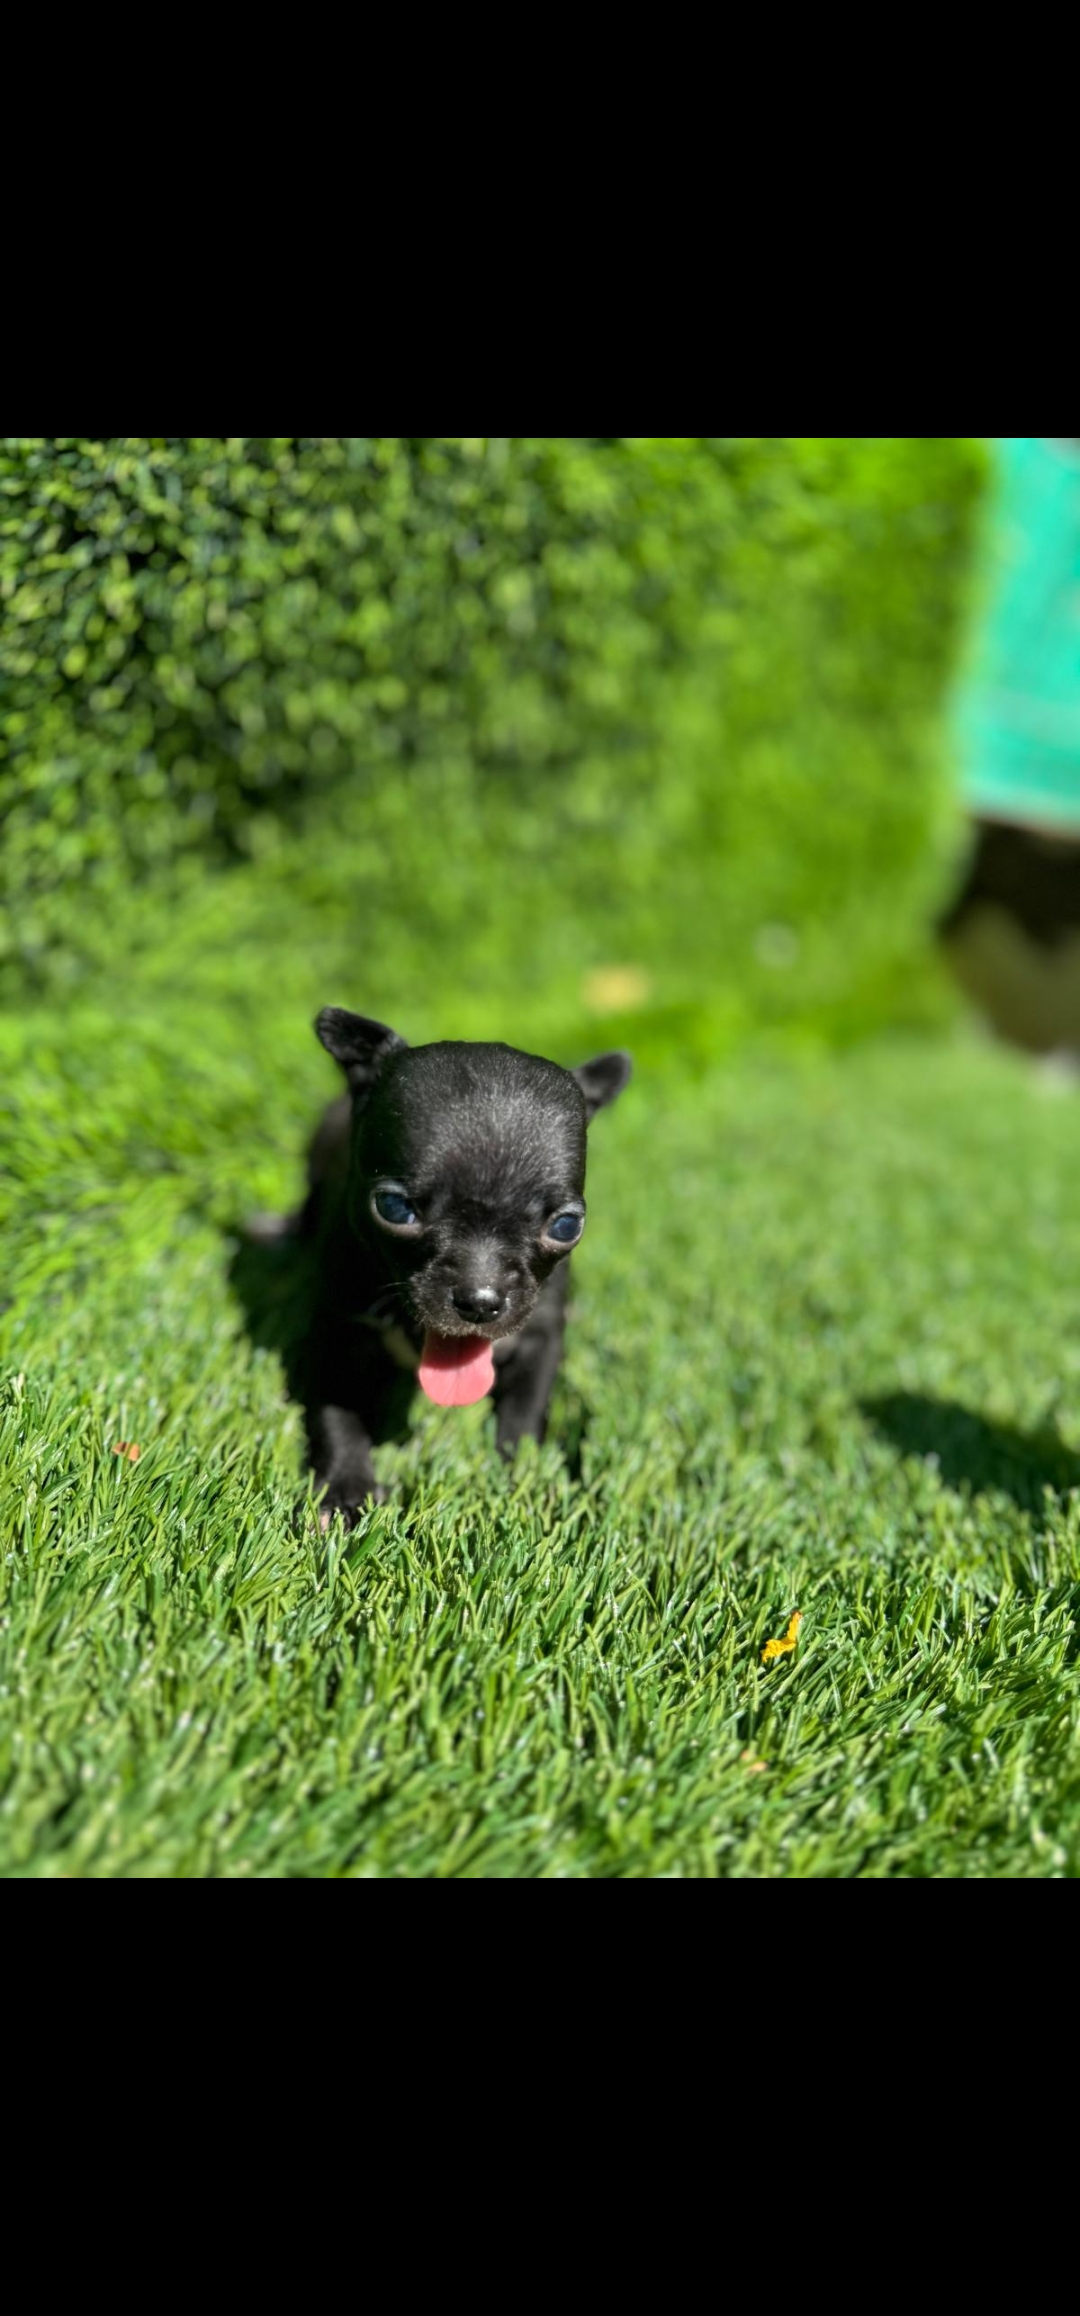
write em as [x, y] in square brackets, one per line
[825, 1358]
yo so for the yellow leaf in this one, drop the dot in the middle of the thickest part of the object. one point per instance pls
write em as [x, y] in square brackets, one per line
[779, 1648]
[615, 988]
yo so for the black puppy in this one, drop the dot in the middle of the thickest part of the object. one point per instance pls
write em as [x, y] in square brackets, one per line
[446, 1192]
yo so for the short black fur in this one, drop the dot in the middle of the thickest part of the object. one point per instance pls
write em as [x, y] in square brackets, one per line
[482, 1146]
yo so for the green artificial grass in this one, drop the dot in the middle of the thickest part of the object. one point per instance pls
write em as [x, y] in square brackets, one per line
[825, 1356]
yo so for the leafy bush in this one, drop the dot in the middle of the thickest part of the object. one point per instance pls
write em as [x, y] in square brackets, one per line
[679, 700]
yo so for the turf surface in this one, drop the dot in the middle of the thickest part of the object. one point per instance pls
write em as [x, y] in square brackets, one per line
[825, 1357]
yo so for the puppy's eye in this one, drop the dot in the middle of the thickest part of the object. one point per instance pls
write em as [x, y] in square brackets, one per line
[393, 1207]
[565, 1229]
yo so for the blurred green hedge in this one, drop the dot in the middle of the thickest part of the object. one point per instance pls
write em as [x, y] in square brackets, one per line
[689, 691]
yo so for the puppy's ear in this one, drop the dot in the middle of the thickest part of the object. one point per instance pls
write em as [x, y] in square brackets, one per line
[602, 1079]
[361, 1046]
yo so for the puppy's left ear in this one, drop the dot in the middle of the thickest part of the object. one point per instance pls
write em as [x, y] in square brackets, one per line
[602, 1079]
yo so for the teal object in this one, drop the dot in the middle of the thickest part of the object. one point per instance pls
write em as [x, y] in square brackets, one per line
[1019, 710]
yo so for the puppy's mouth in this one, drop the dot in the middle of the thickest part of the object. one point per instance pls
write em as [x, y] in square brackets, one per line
[456, 1370]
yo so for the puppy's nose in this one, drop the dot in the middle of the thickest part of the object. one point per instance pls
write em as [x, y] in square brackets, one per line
[480, 1304]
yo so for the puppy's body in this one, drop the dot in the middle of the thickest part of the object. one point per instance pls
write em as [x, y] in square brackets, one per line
[445, 1191]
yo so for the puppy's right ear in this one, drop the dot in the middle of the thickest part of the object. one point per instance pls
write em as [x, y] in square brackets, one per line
[359, 1045]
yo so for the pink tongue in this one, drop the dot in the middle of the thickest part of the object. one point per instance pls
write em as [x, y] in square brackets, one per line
[456, 1369]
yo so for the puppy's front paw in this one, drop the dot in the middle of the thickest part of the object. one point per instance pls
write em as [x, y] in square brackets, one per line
[349, 1502]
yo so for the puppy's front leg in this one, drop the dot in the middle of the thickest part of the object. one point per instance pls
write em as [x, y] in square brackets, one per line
[341, 1455]
[523, 1380]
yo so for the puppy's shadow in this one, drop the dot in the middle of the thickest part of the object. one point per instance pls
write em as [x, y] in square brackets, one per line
[273, 1282]
[569, 1427]
[974, 1454]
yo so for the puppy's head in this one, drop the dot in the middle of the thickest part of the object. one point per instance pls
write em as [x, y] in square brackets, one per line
[467, 1178]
